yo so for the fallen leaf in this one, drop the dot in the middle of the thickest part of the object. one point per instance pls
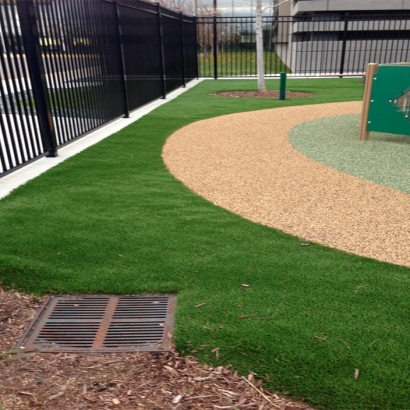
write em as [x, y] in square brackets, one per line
[202, 379]
[56, 396]
[228, 393]
[177, 399]
[89, 398]
[172, 371]
[356, 373]
[216, 351]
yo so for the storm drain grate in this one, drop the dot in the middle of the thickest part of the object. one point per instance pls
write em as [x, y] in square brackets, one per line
[104, 323]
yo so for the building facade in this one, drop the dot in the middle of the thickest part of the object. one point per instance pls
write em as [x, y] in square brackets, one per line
[342, 36]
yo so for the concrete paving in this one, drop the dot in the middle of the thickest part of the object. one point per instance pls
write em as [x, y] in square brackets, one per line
[36, 168]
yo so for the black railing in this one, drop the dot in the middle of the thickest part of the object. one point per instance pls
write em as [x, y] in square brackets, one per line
[70, 66]
[336, 44]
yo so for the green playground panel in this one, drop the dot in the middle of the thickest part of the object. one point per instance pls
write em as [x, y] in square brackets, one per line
[390, 100]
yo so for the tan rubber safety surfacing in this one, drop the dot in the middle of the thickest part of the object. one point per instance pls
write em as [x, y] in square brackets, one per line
[245, 163]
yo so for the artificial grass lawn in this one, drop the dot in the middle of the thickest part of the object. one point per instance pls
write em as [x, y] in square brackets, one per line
[113, 220]
[239, 62]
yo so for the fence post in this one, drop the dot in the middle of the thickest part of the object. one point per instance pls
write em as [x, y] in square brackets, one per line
[342, 62]
[31, 42]
[215, 48]
[282, 90]
[196, 47]
[161, 52]
[182, 48]
[121, 61]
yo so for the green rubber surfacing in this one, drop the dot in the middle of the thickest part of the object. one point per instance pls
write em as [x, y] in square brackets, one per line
[333, 142]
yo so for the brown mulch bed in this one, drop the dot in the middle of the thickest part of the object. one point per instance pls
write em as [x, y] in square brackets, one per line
[131, 381]
[259, 94]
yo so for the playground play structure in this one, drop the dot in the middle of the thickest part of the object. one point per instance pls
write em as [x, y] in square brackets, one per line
[386, 100]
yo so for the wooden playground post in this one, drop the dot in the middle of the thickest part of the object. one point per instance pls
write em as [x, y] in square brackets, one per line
[371, 71]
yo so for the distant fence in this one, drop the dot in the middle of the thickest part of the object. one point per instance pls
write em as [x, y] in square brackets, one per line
[70, 66]
[342, 43]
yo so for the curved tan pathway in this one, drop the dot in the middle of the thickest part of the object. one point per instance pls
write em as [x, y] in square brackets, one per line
[245, 163]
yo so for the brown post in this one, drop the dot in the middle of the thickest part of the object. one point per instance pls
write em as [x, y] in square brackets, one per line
[371, 71]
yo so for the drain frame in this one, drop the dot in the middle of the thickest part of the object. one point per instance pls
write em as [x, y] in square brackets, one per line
[102, 324]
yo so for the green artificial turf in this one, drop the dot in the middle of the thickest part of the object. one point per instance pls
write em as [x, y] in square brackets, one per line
[113, 220]
[383, 159]
[243, 62]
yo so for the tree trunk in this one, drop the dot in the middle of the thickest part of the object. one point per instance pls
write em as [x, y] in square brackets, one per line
[259, 47]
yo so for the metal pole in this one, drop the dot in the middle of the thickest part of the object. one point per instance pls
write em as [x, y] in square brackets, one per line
[31, 42]
[342, 62]
[121, 61]
[161, 52]
[196, 48]
[215, 43]
[182, 49]
[282, 93]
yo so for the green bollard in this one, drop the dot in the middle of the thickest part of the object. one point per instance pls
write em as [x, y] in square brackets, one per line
[282, 92]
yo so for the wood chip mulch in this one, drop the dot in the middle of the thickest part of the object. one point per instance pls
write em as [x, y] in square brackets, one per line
[131, 381]
[259, 94]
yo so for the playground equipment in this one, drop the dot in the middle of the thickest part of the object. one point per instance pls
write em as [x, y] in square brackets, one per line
[386, 100]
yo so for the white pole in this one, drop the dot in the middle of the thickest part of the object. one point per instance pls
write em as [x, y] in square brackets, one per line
[259, 47]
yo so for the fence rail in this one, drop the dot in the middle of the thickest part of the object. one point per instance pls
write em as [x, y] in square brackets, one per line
[302, 45]
[70, 66]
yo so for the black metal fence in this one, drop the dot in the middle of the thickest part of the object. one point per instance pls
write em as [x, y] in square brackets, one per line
[313, 44]
[70, 66]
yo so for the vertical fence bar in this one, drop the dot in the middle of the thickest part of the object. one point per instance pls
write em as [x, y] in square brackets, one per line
[196, 47]
[183, 75]
[101, 22]
[121, 60]
[161, 52]
[215, 47]
[14, 109]
[51, 66]
[18, 87]
[31, 41]
[342, 61]
[77, 66]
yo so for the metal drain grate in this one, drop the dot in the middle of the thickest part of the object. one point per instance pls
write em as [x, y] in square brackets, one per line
[102, 323]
